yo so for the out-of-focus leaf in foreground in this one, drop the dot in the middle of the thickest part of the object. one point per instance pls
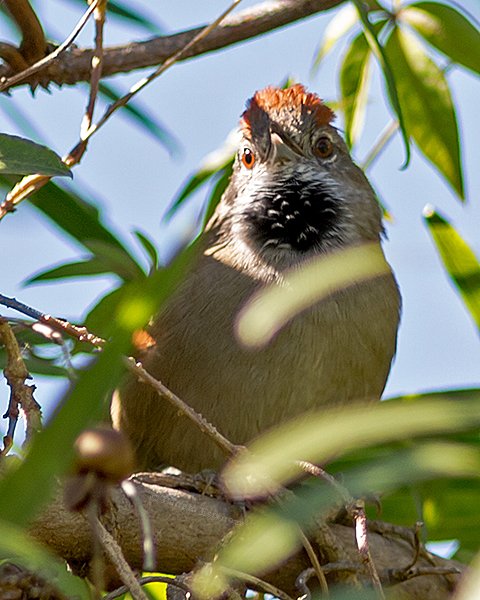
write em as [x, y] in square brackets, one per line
[20, 156]
[334, 432]
[470, 583]
[272, 307]
[24, 490]
[18, 547]
[269, 536]
[427, 105]
[447, 30]
[343, 21]
[459, 260]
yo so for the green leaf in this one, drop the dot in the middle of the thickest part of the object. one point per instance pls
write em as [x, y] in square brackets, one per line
[83, 268]
[149, 248]
[459, 260]
[273, 306]
[141, 116]
[388, 74]
[447, 30]
[223, 179]
[20, 156]
[427, 106]
[334, 432]
[343, 21]
[267, 537]
[24, 490]
[354, 76]
[114, 259]
[21, 549]
[215, 161]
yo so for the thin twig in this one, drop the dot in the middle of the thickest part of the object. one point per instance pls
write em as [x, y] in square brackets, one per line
[260, 583]
[115, 555]
[207, 428]
[316, 471]
[301, 583]
[80, 333]
[361, 536]
[16, 374]
[42, 63]
[417, 545]
[379, 146]
[317, 567]
[147, 533]
[161, 69]
[149, 579]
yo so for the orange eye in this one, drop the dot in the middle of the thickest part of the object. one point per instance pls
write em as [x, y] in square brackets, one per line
[248, 158]
[324, 147]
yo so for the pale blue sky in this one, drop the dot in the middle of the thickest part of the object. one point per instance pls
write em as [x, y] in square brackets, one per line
[134, 179]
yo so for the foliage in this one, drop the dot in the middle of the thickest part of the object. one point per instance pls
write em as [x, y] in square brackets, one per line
[421, 451]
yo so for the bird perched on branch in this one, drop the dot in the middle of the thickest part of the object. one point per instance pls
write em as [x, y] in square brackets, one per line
[294, 194]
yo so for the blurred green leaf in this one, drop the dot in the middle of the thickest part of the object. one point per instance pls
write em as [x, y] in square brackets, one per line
[213, 163]
[334, 432]
[268, 536]
[149, 248]
[19, 548]
[388, 73]
[20, 156]
[354, 75]
[123, 12]
[223, 178]
[142, 117]
[427, 106]
[23, 491]
[462, 266]
[114, 258]
[470, 582]
[92, 266]
[342, 22]
[269, 309]
[447, 30]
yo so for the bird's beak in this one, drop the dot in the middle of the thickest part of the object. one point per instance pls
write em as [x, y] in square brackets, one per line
[283, 149]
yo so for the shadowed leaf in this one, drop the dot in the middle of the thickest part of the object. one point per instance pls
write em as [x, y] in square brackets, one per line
[447, 30]
[459, 260]
[427, 106]
[20, 156]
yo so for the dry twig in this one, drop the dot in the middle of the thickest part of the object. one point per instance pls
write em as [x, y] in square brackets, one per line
[16, 374]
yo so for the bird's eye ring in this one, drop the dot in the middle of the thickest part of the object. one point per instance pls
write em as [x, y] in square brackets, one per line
[248, 158]
[324, 147]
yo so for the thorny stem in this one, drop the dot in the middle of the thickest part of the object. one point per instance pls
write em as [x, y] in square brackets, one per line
[361, 536]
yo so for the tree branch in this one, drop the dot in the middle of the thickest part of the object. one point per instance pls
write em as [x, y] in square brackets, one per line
[75, 65]
[188, 527]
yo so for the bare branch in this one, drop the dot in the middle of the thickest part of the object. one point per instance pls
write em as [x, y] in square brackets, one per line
[75, 66]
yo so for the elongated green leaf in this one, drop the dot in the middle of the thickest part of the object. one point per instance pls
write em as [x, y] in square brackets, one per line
[267, 537]
[215, 161]
[459, 260]
[223, 178]
[388, 73]
[273, 306]
[18, 547]
[427, 105]
[114, 258]
[92, 266]
[142, 117]
[20, 156]
[343, 22]
[354, 75]
[447, 30]
[25, 489]
[334, 432]
[149, 248]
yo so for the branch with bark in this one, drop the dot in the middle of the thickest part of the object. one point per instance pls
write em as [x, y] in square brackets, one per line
[75, 65]
[188, 527]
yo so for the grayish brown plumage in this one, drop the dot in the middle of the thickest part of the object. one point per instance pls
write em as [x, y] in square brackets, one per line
[294, 193]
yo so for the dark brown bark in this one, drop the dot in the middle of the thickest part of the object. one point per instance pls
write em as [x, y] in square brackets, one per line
[74, 65]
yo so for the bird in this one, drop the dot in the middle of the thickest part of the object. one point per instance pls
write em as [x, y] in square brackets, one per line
[294, 194]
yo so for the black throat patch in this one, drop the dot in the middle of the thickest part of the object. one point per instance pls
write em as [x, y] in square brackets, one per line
[293, 214]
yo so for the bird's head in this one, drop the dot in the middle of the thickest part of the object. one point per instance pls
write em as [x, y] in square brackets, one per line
[294, 189]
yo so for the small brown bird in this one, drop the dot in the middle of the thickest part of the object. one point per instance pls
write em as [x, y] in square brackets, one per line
[294, 193]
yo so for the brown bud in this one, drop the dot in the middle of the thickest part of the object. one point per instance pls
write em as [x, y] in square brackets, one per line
[105, 452]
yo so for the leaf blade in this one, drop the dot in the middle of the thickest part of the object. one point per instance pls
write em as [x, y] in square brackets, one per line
[20, 156]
